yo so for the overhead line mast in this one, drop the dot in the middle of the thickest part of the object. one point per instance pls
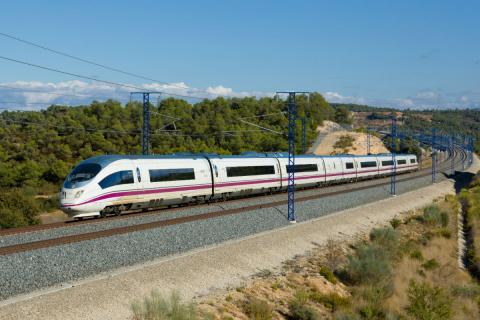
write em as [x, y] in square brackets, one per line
[292, 128]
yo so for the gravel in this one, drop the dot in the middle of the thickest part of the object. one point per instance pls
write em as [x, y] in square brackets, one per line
[28, 271]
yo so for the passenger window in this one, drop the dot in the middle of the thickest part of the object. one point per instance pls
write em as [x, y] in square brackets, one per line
[117, 178]
[349, 165]
[163, 175]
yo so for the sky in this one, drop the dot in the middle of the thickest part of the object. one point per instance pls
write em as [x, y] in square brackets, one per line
[407, 54]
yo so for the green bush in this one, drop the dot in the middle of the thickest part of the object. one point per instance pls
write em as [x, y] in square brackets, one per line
[430, 264]
[433, 216]
[300, 311]
[387, 238]
[369, 264]
[395, 223]
[342, 315]
[328, 274]
[156, 307]
[257, 309]
[445, 233]
[466, 291]
[18, 209]
[428, 303]
[374, 297]
[416, 254]
[332, 301]
[444, 219]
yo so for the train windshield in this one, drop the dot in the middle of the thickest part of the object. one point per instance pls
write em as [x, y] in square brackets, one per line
[83, 172]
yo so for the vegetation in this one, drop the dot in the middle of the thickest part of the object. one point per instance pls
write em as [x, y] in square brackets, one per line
[257, 309]
[343, 115]
[470, 199]
[39, 148]
[156, 307]
[407, 272]
[344, 143]
[427, 302]
[459, 121]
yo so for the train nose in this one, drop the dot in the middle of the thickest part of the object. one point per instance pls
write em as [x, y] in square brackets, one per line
[69, 197]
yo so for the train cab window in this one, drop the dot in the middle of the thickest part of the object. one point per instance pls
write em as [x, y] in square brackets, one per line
[117, 178]
[249, 171]
[368, 164]
[303, 168]
[413, 160]
[349, 165]
[163, 175]
[402, 161]
[387, 163]
[83, 172]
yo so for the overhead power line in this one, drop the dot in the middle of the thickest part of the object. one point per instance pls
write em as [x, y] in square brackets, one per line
[112, 83]
[135, 75]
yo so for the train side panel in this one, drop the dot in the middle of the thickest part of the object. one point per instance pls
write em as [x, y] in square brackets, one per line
[309, 171]
[333, 169]
[367, 167]
[243, 176]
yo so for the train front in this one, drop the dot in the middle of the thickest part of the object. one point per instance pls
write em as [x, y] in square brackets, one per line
[78, 189]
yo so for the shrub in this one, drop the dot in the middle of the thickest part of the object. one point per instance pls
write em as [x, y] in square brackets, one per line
[257, 309]
[346, 316]
[368, 264]
[416, 254]
[157, 307]
[332, 301]
[444, 218]
[18, 209]
[445, 233]
[344, 143]
[333, 254]
[387, 238]
[430, 264]
[395, 223]
[373, 297]
[466, 291]
[433, 216]
[300, 311]
[328, 274]
[428, 303]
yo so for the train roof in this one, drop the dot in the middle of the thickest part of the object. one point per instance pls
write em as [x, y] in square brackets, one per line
[105, 160]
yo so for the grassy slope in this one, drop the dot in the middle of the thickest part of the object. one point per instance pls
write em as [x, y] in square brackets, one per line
[369, 279]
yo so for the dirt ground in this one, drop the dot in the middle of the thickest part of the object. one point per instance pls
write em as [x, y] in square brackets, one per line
[359, 145]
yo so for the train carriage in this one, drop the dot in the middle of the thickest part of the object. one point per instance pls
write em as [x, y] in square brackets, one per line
[244, 175]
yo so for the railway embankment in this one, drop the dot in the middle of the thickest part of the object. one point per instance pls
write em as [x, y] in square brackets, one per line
[200, 272]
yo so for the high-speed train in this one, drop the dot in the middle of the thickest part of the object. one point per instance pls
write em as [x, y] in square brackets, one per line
[111, 184]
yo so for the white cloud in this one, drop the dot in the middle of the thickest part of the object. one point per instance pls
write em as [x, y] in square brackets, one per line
[339, 98]
[78, 92]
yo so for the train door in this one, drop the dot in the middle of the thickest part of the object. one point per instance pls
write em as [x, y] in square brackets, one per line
[138, 174]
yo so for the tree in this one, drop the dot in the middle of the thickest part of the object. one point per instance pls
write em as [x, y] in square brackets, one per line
[342, 115]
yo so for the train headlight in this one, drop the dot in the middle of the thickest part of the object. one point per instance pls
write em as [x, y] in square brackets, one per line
[78, 194]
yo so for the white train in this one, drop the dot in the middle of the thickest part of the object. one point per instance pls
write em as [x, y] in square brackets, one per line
[112, 184]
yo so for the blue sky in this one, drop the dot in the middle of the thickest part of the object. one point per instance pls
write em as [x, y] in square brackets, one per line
[400, 53]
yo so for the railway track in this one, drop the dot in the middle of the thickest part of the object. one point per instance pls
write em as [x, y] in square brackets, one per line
[61, 240]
